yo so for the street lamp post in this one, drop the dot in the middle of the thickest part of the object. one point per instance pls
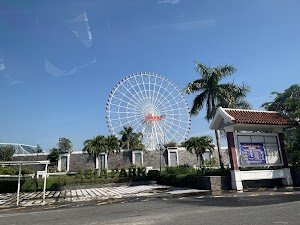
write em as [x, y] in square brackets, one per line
[162, 146]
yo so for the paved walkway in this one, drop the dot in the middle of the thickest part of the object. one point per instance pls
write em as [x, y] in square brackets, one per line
[153, 190]
[36, 198]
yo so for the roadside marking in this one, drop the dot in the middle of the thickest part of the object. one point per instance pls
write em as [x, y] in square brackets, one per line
[103, 203]
[181, 198]
[288, 193]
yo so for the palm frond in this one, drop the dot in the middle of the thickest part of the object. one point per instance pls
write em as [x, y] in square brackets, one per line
[225, 70]
[203, 69]
[198, 103]
[194, 86]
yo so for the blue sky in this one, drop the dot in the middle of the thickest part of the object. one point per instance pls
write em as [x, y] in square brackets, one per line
[59, 60]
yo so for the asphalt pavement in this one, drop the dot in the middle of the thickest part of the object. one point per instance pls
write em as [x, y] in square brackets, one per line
[168, 206]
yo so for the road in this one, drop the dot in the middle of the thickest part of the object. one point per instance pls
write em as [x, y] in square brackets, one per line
[245, 210]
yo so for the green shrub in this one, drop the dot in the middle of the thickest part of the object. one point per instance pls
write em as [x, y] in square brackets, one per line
[123, 173]
[134, 172]
[6, 170]
[130, 172]
[79, 174]
[26, 171]
[182, 169]
[30, 185]
[114, 173]
[103, 173]
[89, 174]
[9, 185]
[153, 174]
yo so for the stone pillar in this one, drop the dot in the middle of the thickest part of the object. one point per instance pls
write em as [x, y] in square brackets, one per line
[236, 181]
[283, 152]
[232, 151]
[288, 181]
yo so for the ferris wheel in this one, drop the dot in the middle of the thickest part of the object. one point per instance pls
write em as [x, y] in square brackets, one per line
[150, 104]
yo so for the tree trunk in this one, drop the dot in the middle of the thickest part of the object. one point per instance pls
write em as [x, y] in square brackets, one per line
[99, 169]
[217, 133]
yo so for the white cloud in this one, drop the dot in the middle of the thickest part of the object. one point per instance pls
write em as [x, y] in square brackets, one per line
[173, 2]
[11, 81]
[16, 82]
[57, 72]
[2, 66]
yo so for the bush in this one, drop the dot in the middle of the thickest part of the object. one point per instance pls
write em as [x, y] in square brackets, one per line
[89, 174]
[153, 174]
[123, 173]
[30, 185]
[79, 174]
[141, 171]
[26, 171]
[9, 185]
[182, 169]
[103, 173]
[6, 170]
[183, 176]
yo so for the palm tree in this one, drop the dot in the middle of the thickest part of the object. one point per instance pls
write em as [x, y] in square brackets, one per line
[127, 134]
[131, 140]
[213, 94]
[199, 145]
[95, 147]
[136, 141]
[112, 144]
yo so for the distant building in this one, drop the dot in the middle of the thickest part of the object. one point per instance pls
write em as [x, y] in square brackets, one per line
[22, 148]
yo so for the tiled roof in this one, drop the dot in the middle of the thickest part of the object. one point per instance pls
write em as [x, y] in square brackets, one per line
[258, 117]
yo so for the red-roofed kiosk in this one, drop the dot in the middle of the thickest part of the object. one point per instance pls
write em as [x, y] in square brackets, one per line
[255, 139]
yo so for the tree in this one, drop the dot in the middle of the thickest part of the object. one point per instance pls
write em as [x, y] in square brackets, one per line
[6, 152]
[53, 156]
[288, 103]
[127, 135]
[64, 145]
[214, 94]
[199, 145]
[113, 144]
[130, 139]
[102, 144]
[95, 147]
[170, 144]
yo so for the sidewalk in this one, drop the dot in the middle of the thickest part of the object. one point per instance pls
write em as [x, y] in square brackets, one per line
[153, 190]
[36, 198]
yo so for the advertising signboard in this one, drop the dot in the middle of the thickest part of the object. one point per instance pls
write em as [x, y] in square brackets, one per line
[252, 153]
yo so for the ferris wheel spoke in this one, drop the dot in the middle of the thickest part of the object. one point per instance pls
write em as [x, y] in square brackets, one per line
[165, 100]
[123, 107]
[138, 95]
[171, 126]
[133, 95]
[126, 103]
[170, 108]
[138, 85]
[127, 117]
[162, 93]
[144, 88]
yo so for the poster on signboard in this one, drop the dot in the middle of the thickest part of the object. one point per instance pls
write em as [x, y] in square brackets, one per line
[252, 153]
